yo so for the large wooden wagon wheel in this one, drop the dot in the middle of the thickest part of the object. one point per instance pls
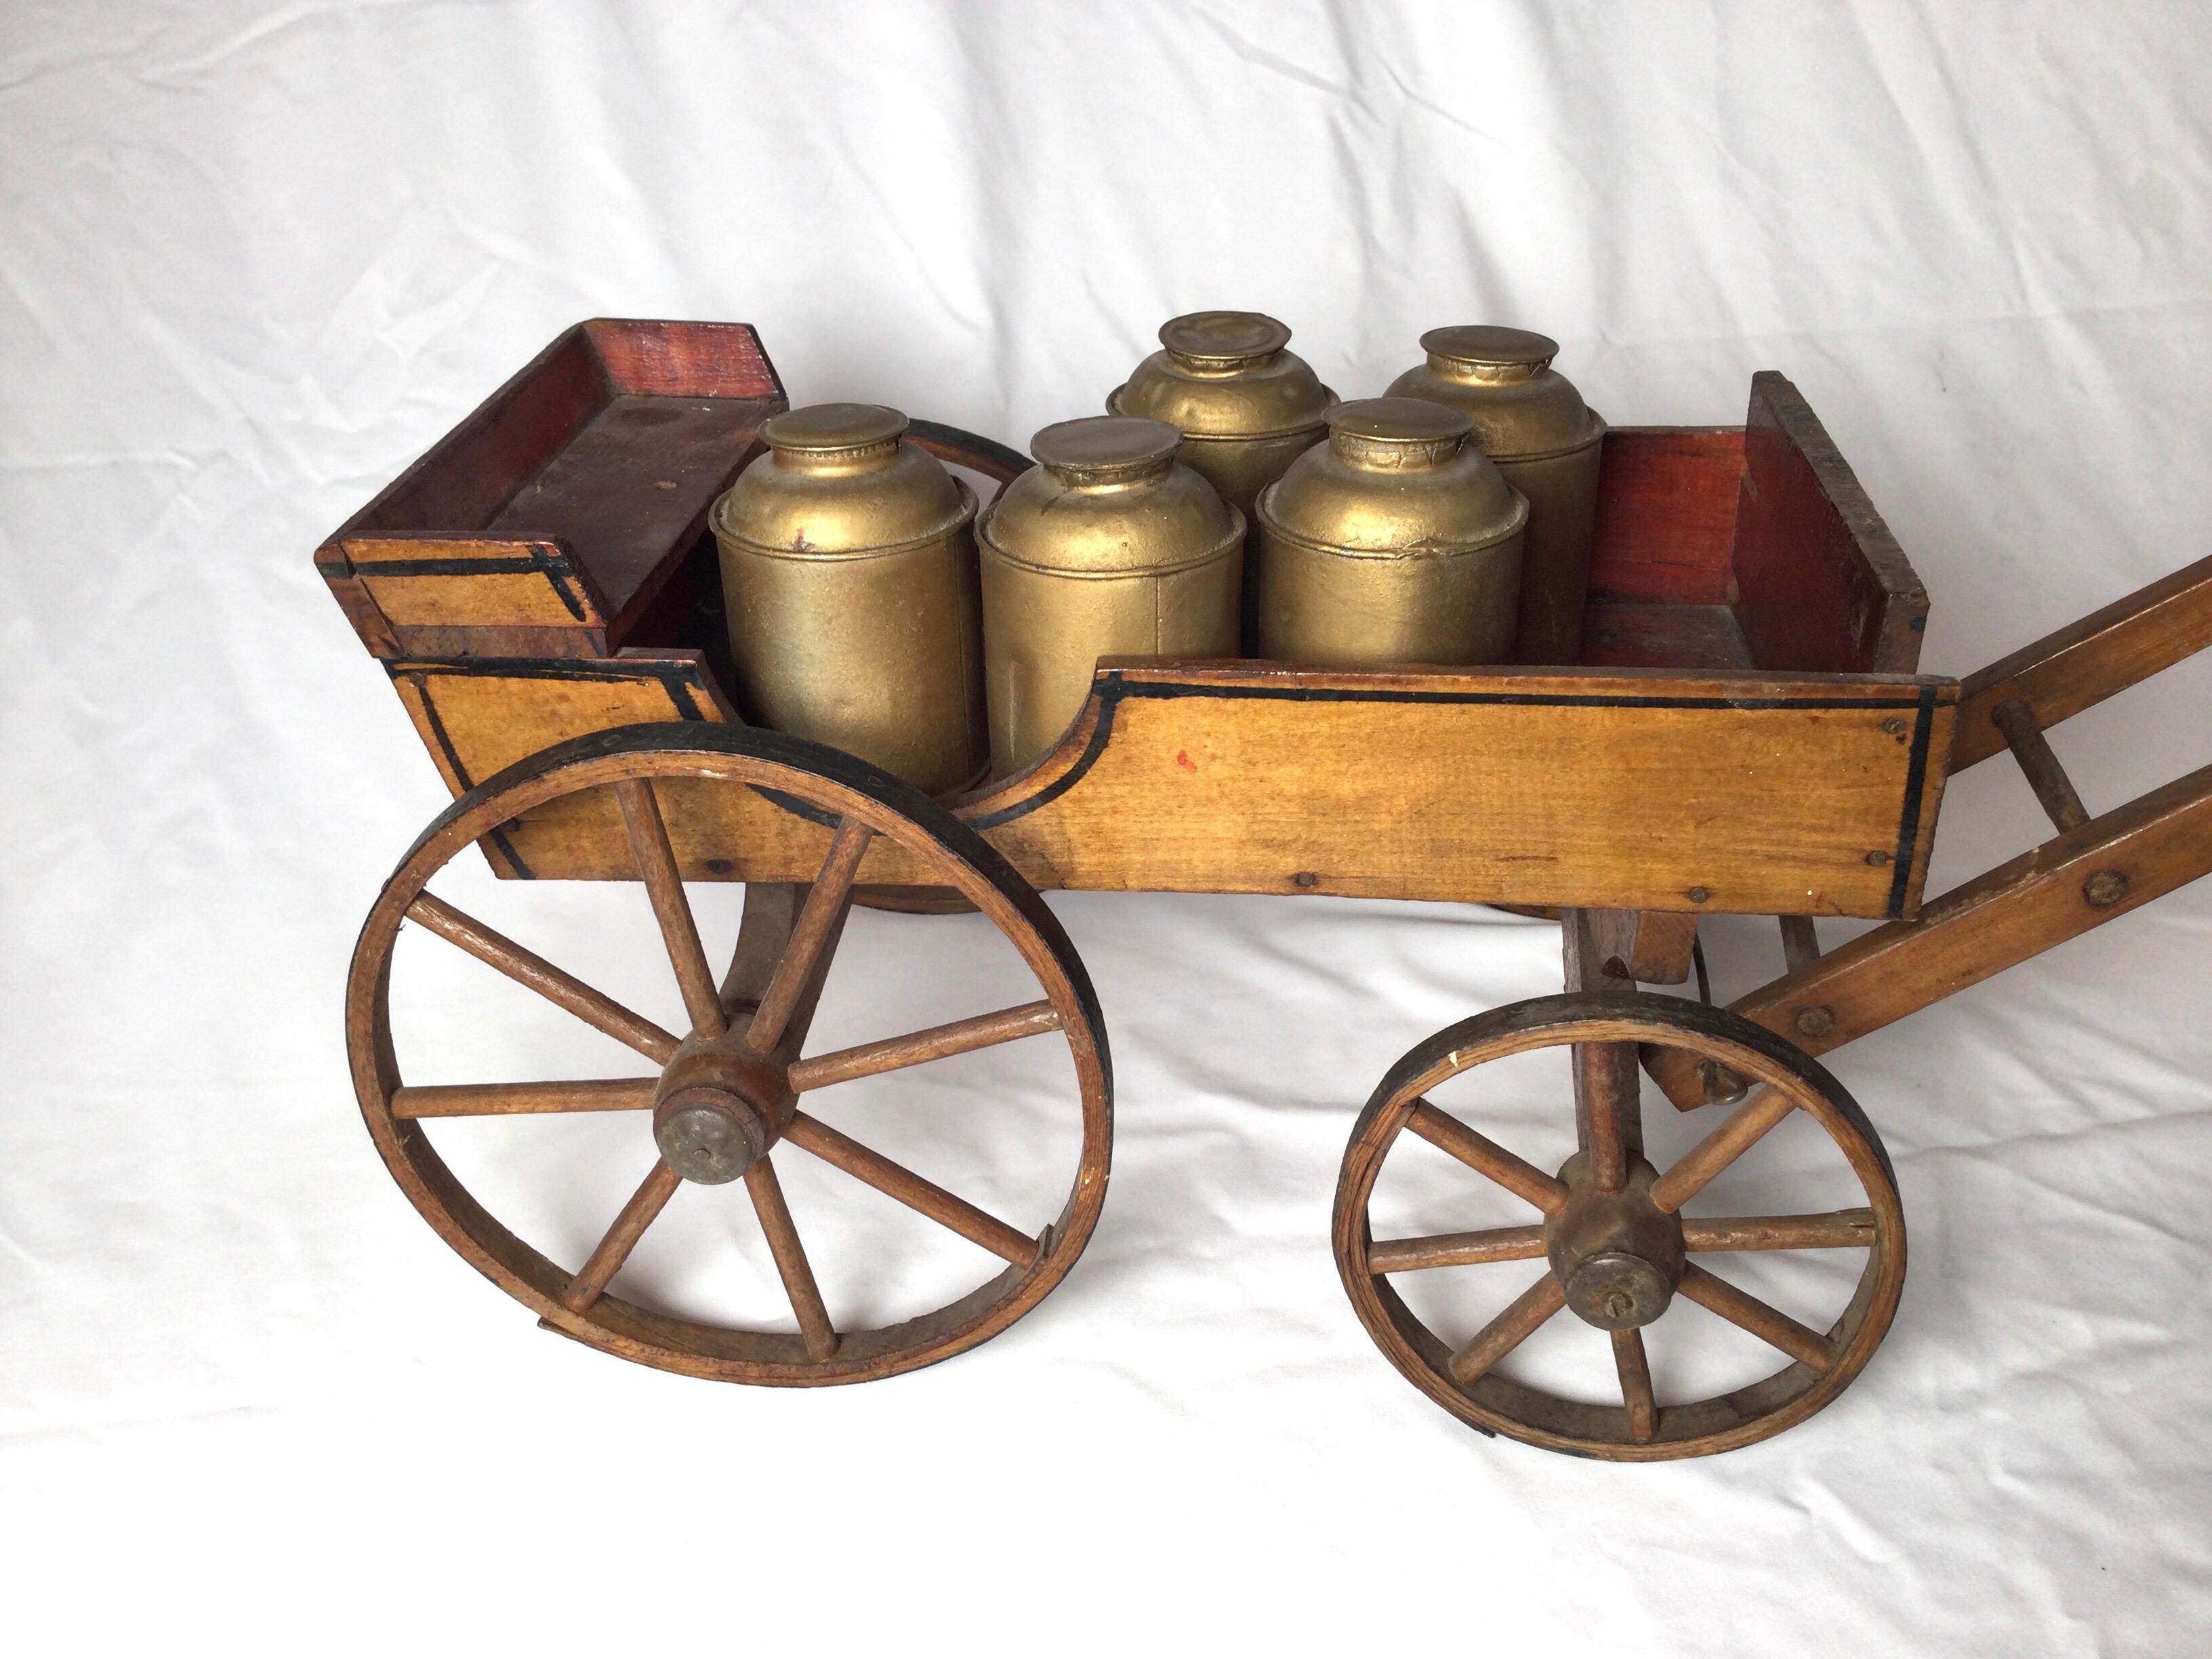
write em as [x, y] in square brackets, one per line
[1611, 1229]
[720, 1103]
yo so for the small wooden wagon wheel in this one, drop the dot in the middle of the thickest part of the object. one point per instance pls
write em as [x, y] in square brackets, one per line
[720, 1103]
[1616, 1246]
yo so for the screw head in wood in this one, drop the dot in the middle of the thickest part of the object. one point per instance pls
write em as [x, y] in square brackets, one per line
[1816, 1021]
[2106, 889]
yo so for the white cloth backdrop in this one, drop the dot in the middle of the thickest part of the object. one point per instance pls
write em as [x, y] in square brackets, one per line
[255, 257]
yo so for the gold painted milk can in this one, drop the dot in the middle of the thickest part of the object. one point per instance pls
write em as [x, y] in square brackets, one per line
[1246, 407]
[1395, 542]
[1108, 547]
[1530, 420]
[856, 609]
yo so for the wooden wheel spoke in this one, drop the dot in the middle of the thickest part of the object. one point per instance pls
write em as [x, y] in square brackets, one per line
[663, 885]
[1769, 1324]
[1508, 1331]
[1636, 1396]
[1736, 1135]
[628, 1094]
[1608, 1110]
[644, 1203]
[561, 989]
[1485, 1156]
[1837, 1229]
[957, 1036]
[827, 901]
[1399, 1256]
[895, 1181]
[791, 1265]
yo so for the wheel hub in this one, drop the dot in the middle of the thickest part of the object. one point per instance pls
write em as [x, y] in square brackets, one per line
[1618, 1255]
[717, 1109]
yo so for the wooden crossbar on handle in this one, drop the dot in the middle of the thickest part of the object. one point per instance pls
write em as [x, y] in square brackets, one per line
[2079, 879]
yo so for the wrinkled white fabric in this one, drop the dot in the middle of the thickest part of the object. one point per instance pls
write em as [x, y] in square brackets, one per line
[254, 257]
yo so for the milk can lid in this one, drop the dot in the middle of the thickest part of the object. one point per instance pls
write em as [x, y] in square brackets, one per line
[1488, 346]
[1224, 338]
[1101, 448]
[1398, 421]
[1397, 478]
[1225, 375]
[829, 427]
[1108, 499]
[839, 483]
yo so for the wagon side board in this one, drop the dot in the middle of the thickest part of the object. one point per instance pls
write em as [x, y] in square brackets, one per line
[1752, 547]
[548, 522]
[1810, 795]
[1629, 790]
[1821, 585]
[477, 716]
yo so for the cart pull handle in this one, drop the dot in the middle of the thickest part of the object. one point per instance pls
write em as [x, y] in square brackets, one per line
[2073, 882]
[2081, 665]
[2092, 870]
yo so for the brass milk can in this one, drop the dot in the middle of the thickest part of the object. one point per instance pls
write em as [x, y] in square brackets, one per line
[855, 611]
[1530, 420]
[1108, 547]
[1246, 407]
[1395, 542]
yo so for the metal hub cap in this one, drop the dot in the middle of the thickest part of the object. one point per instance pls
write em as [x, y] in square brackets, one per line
[709, 1141]
[1615, 1291]
[1618, 1255]
[714, 1113]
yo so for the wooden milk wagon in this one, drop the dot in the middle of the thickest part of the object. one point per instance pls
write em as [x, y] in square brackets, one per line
[1747, 733]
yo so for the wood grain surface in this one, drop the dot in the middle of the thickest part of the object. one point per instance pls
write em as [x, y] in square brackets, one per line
[1655, 792]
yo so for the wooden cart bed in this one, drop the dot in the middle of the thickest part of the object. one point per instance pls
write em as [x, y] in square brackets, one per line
[1745, 733]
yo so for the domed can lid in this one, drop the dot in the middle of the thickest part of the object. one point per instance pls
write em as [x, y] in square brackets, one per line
[1397, 478]
[1225, 375]
[1108, 498]
[840, 480]
[1491, 352]
[1524, 408]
